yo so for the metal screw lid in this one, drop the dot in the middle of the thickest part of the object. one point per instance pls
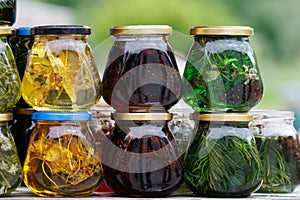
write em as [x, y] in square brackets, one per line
[61, 116]
[6, 117]
[142, 116]
[222, 30]
[141, 29]
[226, 117]
[61, 29]
[5, 30]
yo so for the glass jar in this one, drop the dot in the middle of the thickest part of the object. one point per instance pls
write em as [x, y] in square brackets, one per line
[221, 73]
[141, 158]
[102, 127]
[182, 128]
[21, 128]
[10, 166]
[61, 73]
[8, 12]
[62, 159]
[223, 160]
[279, 147]
[141, 60]
[21, 42]
[10, 87]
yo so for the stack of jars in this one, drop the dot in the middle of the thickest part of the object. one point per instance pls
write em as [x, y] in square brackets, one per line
[142, 82]
[10, 91]
[222, 83]
[61, 82]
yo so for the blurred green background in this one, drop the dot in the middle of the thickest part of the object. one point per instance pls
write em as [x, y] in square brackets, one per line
[276, 40]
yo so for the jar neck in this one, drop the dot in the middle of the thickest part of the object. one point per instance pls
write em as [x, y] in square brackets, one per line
[208, 38]
[58, 123]
[145, 37]
[64, 36]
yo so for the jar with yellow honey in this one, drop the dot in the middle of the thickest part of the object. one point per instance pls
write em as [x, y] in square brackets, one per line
[62, 159]
[61, 74]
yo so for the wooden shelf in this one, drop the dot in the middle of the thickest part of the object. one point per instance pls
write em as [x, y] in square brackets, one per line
[25, 193]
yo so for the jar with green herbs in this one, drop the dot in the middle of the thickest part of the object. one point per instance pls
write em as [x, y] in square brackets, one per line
[141, 158]
[10, 83]
[222, 159]
[142, 61]
[61, 73]
[279, 148]
[10, 166]
[62, 160]
[21, 42]
[8, 12]
[221, 73]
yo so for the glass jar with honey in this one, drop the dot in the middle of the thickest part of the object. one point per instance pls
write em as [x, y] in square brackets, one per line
[61, 73]
[142, 61]
[62, 159]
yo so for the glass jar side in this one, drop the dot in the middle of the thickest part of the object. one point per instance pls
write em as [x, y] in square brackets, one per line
[221, 74]
[21, 128]
[65, 156]
[21, 42]
[278, 145]
[61, 74]
[10, 90]
[222, 160]
[147, 153]
[146, 65]
[10, 166]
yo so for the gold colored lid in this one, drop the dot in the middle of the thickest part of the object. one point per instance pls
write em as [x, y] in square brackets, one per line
[222, 30]
[141, 29]
[6, 117]
[226, 117]
[5, 30]
[142, 116]
[23, 111]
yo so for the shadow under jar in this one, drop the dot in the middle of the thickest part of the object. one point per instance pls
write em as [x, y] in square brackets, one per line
[221, 73]
[141, 70]
[61, 73]
[143, 157]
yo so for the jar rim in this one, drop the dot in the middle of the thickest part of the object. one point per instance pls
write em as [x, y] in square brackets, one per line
[61, 116]
[225, 117]
[6, 116]
[5, 30]
[141, 30]
[222, 30]
[141, 116]
[61, 29]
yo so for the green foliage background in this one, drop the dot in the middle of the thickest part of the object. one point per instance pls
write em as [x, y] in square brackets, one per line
[276, 40]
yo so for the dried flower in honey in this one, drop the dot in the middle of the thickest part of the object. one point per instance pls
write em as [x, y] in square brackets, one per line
[67, 161]
[61, 74]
